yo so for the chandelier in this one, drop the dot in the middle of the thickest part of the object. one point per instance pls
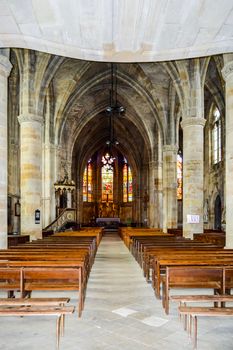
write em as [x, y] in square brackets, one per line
[114, 109]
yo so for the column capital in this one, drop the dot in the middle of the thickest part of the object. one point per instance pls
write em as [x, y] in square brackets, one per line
[227, 71]
[5, 65]
[192, 122]
[24, 118]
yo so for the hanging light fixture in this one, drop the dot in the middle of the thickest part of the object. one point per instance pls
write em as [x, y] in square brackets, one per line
[114, 109]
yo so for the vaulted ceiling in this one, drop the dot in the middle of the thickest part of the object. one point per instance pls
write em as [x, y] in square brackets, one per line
[120, 31]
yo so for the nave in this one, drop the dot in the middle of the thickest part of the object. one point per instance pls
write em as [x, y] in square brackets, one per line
[121, 312]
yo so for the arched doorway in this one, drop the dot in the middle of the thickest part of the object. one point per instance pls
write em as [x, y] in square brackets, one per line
[217, 213]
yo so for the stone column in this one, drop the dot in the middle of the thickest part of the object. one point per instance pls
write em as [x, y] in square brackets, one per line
[31, 173]
[5, 68]
[144, 188]
[228, 76]
[136, 204]
[79, 202]
[192, 176]
[169, 187]
[155, 190]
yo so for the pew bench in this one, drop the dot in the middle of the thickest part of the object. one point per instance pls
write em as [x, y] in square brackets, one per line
[44, 276]
[11, 280]
[201, 298]
[12, 309]
[53, 279]
[192, 312]
[160, 264]
[175, 251]
[218, 300]
[62, 301]
[200, 277]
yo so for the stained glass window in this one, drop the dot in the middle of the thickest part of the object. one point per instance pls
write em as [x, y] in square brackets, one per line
[216, 136]
[127, 183]
[85, 185]
[107, 173]
[130, 185]
[88, 183]
[179, 176]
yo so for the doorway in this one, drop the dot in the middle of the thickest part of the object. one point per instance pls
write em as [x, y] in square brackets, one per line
[217, 213]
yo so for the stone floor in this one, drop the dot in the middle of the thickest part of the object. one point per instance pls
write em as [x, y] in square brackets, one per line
[121, 313]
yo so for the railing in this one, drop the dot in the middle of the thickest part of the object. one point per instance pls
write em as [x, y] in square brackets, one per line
[67, 215]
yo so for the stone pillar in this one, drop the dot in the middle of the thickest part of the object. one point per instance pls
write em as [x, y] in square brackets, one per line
[5, 68]
[31, 173]
[151, 194]
[169, 187]
[228, 76]
[155, 190]
[145, 189]
[136, 204]
[79, 202]
[192, 176]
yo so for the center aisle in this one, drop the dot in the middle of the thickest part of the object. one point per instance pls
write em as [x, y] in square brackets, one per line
[121, 311]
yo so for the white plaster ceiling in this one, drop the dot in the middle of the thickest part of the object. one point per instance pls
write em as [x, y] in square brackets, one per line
[119, 30]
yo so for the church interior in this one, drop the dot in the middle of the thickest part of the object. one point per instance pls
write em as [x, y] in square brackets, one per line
[116, 151]
[82, 112]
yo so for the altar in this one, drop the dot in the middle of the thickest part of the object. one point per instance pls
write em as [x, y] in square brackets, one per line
[109, 222]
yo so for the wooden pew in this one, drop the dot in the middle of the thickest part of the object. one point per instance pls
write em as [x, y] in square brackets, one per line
[38, 307]
[11, 279]
[211, 236]
[217, 299]
[192, 312]
[53, 279]
[79, 257]
[127, 233]
[160, 264]
[47, 275]
[139, 244]
[87, 232]
[70, 250]
[9, 302]
[173, 248]
[59, 262]
[191, 277]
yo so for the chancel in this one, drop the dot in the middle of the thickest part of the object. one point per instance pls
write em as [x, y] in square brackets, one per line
[116, 162]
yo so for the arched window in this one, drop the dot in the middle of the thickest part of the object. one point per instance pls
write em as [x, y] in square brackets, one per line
[216, 136]
[88, 183]
[127, 183]
[107, 173]
[179, 175]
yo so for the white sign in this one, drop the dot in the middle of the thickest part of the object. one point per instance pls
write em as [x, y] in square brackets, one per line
[193, 219]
